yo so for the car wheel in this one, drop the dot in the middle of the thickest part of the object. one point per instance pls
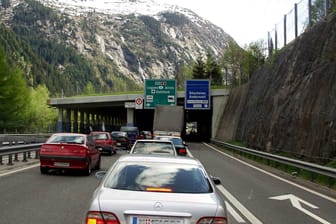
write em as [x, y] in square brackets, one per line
[44, 170]
[88, 170]
[98, 164]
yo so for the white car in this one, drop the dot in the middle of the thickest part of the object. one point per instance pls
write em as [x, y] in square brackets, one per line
[142, 189]
[150, 146]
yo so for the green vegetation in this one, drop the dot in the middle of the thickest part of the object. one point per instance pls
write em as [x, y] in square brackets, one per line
[13, 94]
[22, 108]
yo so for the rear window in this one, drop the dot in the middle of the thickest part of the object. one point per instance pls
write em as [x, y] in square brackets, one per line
[176, 141]
[73, 139]
[158, 177]
[100, 136]
[129, 129]
[153, 148]
[119, 134]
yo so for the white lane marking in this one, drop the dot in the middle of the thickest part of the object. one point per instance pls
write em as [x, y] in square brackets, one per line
[19, 170]
[277, 177]
[239, 206]
[233, 212]
[296, 203]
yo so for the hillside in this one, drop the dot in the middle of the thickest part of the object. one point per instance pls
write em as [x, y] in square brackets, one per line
[80, 49]
[289, 105]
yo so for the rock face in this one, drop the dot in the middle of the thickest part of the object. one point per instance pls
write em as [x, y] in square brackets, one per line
[290, 104]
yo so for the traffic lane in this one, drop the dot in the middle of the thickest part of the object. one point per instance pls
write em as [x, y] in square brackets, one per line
[30, 197]
[270, 199]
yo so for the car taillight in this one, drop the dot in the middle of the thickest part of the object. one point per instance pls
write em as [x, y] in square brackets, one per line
[182, 151]
[95, 217]
[212, 220]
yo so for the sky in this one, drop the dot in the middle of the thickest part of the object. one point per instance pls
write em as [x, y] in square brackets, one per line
[245, 21]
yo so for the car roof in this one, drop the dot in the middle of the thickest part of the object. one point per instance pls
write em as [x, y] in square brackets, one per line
[99, 132]
[153, 140]
[167, 136]
[159, 158]
[69, 134]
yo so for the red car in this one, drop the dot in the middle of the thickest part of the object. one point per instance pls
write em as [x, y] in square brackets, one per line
[69, 151]
[104, 142]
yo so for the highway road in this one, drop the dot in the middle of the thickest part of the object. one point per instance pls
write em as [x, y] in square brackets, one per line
[253, 194]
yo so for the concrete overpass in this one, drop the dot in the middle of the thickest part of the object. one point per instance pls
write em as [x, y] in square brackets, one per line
[83, 114]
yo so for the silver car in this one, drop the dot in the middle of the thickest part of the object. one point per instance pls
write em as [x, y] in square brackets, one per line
[141, 189]
[150, 146]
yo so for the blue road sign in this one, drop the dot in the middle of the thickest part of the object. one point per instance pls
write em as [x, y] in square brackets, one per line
[197, 94]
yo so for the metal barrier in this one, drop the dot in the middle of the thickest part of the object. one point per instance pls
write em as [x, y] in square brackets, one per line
[298, 164]
[13, 153]
[19, 139]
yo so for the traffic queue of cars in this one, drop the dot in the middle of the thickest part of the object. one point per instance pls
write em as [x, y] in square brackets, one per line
[155, 182]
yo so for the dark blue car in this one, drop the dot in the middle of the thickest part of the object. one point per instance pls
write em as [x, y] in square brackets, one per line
[132, 132]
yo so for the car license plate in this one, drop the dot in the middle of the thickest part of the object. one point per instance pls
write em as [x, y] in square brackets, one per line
[156, 220]
[118, 143]
[60, 164]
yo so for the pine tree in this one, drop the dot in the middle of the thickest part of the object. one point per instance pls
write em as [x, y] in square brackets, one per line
[213, 70]
[14, 95]
[198, 69]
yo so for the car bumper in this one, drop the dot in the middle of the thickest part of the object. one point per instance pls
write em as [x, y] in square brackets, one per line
[103, 148]
[58, 162]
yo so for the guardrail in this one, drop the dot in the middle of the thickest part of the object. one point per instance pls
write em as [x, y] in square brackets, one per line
[13, 153]
[298, 164]
[20, 139]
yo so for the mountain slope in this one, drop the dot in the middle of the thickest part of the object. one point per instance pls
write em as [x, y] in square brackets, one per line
[115, 50]
[289, 105]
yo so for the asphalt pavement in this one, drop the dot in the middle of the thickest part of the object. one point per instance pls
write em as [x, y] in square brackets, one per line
[16, 165]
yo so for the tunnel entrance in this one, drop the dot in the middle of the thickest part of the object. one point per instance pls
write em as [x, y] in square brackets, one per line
[144, 119]
[197, 125]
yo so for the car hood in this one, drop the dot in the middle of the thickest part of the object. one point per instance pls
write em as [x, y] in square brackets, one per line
[141, 203]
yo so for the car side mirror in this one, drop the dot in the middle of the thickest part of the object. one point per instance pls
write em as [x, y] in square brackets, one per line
[216, 180]
[100, 174]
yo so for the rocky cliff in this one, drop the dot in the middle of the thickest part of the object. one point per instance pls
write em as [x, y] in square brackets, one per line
[119, 43]
[290, 104]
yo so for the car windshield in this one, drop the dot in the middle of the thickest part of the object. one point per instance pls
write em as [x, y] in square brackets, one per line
[73, 139]
[158, 177]
[153, 148]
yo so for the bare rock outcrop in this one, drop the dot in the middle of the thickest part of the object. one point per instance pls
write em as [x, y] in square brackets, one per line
[290, 104]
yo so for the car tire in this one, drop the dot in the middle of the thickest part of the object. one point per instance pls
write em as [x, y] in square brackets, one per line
[98, 164]
[88, 169]
[44, 170]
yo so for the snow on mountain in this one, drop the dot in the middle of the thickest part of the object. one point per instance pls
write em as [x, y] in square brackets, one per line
[123, 7]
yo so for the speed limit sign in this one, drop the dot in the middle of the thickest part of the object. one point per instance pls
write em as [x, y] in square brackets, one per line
[138, 103]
